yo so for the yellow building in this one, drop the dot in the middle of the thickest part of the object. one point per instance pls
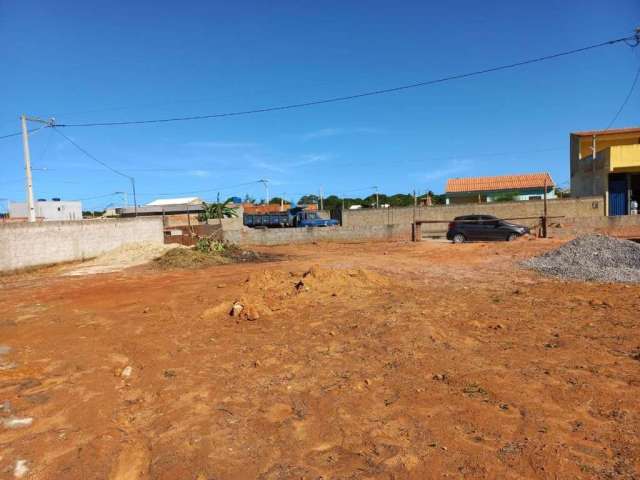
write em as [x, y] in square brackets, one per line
[615, 173]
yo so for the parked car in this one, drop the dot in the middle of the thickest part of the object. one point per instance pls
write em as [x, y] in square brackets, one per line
[483, 227]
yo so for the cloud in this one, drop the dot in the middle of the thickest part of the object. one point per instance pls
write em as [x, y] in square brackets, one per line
[334, 132]
[455, 167]
[213, 144]
[199, 173]
[286, 166]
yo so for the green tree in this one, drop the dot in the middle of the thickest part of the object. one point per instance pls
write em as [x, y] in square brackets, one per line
[332, 202]
[309, 199]
[277, 200]
[217, 210]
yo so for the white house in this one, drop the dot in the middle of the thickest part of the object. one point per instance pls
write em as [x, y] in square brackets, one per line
[48, 210]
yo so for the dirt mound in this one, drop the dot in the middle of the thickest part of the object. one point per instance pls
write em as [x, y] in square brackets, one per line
[593, 258]
[275, 290]
[189, 258]
[123, 257]
[192, 258]
[316, 279]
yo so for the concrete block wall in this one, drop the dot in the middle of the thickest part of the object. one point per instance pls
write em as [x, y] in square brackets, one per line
[623, 226]
[280, 236]
[573, 207]
[25, 245]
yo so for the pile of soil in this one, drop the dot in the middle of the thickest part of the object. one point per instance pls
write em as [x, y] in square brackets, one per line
[192, 258]
[271, 290]
[123, 257]
[593, 258]
[316, 279]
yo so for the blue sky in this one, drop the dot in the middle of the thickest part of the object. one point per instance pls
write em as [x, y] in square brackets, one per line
[104, 61]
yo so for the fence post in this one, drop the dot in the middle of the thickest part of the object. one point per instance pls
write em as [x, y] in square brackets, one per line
[544, 218]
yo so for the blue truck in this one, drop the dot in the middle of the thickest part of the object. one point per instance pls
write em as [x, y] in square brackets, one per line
[294, 217]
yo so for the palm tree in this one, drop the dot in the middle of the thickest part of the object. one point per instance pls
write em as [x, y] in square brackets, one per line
[217, 210]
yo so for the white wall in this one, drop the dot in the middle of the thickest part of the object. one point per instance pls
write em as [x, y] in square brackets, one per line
[49, 210]
[41, 243]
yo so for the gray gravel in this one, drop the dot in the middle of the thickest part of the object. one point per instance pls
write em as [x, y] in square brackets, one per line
[595, 258]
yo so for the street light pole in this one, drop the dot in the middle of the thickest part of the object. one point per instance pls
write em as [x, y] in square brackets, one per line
[266, 187]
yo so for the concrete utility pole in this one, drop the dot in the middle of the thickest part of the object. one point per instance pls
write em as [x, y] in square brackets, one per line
[377, 198]
[321, 200]
[31, 207]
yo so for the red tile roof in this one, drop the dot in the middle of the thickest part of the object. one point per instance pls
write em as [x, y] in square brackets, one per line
[613, 131]
[502, 182]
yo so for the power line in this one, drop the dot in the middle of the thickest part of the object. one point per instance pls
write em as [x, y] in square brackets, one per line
[105, 165]
[31, 130]
[624, 103]
[357, 95]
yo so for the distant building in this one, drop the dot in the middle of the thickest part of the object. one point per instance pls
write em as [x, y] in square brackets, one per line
[47, 210]
[529, 186]
[175, 211]
[615, 173]
[163, 202]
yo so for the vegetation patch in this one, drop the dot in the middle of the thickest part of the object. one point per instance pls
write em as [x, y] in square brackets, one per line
[208, 252]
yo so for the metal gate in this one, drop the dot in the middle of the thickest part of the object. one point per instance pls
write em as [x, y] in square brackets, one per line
[618, 194]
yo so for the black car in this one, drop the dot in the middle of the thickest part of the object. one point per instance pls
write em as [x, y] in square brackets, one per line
[483, 227]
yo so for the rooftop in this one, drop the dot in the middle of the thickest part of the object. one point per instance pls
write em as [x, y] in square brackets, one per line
[175, 201]
[502, 182]
[612, 131]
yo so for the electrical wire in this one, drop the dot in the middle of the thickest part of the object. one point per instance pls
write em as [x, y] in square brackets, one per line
[357, 95]
[30, 130]
[624, 103]
[92, 157]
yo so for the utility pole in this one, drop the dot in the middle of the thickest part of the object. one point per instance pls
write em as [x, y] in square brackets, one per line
[377, 199]
[321, 200]
[31, 208]
[266, 187]
[414, 228]
[135, 200]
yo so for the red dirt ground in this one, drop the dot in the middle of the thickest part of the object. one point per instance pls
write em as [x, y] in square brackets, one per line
[389, 361]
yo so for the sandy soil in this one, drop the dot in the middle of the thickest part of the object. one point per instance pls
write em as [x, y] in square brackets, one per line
[389, 360]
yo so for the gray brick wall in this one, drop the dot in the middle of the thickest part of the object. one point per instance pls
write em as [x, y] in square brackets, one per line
[31, 244]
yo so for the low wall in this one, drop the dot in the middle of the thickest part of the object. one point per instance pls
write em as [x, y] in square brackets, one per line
[572, 207]
[622, 226]
[279, 236]
[25, 245]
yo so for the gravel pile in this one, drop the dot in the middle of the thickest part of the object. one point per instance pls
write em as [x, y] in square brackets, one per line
[591, 257]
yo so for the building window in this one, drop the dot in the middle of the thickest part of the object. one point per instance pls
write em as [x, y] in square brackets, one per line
[535, 197]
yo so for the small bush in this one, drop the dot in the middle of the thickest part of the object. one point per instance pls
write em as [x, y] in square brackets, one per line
[210, 245]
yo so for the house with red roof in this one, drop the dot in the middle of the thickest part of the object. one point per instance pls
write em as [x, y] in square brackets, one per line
[527, 186]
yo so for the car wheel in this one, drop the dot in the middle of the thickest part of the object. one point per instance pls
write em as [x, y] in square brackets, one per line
[512, 236]
[458, 238]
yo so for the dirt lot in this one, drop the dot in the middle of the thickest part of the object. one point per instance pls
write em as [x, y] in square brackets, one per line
[391, 361]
